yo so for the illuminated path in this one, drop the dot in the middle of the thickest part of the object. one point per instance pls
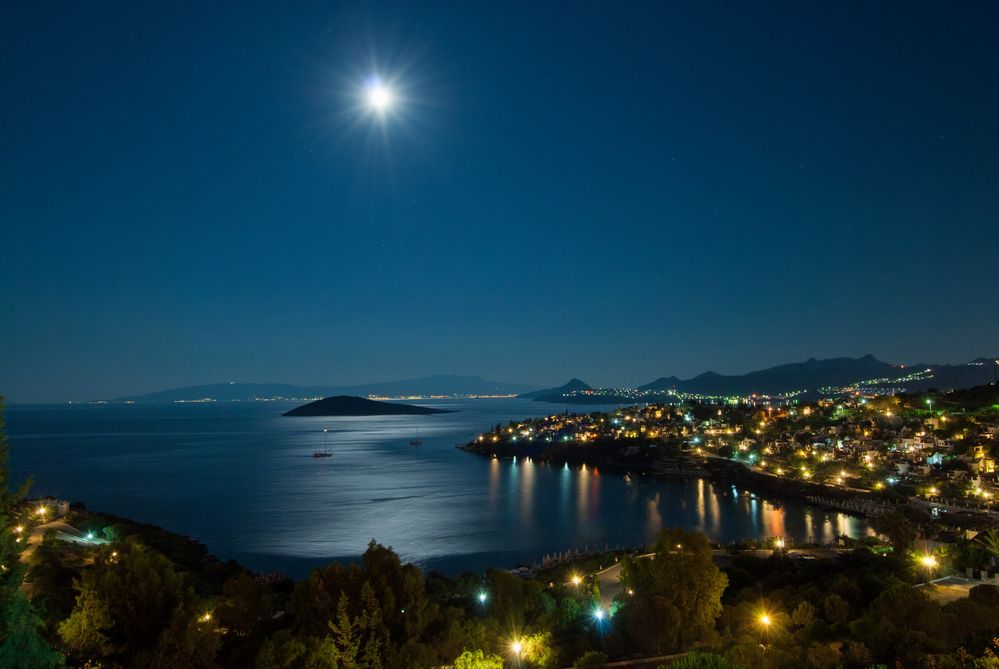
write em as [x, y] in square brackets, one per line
[64, 532]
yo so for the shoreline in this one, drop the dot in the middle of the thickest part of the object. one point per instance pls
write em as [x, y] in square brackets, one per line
[858, 504]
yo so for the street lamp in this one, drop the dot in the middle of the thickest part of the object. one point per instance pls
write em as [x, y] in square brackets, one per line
[929, 563]
[516, 648]
[764, 620]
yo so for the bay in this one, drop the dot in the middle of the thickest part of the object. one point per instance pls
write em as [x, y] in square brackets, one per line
[240, 477]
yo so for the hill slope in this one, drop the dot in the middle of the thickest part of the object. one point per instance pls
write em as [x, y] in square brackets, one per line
[345, 405]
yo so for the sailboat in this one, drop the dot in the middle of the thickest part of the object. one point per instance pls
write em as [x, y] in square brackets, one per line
[326, 452]
[416, 441]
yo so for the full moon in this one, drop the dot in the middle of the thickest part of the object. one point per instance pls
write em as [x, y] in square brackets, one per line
[379, 98]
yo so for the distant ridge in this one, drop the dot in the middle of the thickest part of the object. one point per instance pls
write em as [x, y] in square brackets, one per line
[574, 385]
[808, 377]
[345, 405]
[439, 384]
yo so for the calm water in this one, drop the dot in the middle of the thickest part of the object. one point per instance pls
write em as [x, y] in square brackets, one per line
[241, 478]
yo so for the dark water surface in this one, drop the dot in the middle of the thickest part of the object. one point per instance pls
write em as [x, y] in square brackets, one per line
[241, 478]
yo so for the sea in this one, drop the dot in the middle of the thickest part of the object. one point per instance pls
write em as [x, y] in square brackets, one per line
[241, 478]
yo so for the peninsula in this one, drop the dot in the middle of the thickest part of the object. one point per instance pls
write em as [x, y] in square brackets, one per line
[346, 405]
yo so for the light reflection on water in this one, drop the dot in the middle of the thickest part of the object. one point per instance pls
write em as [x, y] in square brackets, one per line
[241, 478]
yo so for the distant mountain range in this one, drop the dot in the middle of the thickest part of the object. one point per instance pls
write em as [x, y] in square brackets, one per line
[440, 384]
[809, 378]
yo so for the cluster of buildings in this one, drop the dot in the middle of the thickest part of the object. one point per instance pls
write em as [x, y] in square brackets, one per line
[924, 446]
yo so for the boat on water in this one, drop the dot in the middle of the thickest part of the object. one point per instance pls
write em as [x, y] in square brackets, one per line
[326, 452]
[415, 442]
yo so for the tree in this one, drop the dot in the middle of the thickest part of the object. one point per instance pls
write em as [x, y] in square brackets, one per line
[191, 641]
[700, 661]
[377, 613]
[989, 540]
[478, 660]
[897, 528]
[803, 614]
[593, 659]
[836, 609]
[126, 599]
[677, 593]
[21, 644]
[84, 631]
[902, 623]
[538, 651]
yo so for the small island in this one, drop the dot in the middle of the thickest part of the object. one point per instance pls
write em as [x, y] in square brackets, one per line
[346, 405]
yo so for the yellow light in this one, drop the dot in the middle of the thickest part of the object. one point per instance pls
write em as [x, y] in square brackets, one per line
[516, 647]
[764, 619]
[576, 579]
[929, 562]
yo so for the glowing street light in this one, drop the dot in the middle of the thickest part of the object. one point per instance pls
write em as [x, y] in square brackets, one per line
[929, 562]
[598, 614]
[576, 579]
[482, 597]
[765, 620]
[516, 648]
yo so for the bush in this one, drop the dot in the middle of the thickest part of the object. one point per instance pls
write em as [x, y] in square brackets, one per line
[590, 660]
[700, 661]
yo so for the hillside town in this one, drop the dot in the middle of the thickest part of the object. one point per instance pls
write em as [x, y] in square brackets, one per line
[937, 449]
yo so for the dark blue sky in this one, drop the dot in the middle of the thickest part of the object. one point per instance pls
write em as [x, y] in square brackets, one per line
[616, 191]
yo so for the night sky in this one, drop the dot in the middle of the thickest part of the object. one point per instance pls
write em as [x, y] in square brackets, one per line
[615, 191]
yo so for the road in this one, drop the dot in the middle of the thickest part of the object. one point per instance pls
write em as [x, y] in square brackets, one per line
[64, 532]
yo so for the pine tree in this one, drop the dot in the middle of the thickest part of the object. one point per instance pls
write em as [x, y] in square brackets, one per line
[21, 644]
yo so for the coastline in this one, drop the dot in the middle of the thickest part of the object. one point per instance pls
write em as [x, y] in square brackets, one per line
[855, 503]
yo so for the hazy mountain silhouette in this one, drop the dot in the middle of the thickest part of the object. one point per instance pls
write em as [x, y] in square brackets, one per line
[439, 384]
